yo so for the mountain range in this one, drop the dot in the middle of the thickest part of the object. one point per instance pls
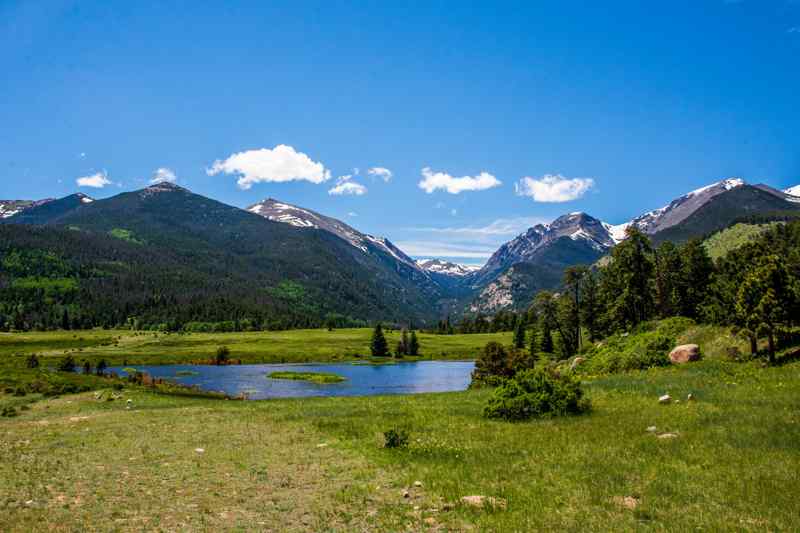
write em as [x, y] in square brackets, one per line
[275, 259]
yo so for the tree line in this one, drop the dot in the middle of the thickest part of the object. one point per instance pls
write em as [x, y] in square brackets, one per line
[755, 289]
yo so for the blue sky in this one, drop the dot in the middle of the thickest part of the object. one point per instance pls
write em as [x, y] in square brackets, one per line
[544, 108]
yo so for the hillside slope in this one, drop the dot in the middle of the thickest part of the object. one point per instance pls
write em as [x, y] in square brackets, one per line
[166, 254]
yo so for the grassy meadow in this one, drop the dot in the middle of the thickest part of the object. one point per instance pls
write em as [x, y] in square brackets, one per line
[293, 346]
[80, 462]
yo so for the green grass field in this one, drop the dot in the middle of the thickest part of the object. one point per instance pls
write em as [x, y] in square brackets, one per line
[168, 463]
[295, 346]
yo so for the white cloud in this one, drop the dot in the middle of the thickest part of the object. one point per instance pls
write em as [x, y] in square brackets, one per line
[280, 164]
[550, 188]
[796, 29]
[352, 214]
[380, 172]
[445, 249]
[98, 180]
[346, 187]
[163, 174]
[441, 180]
[454, 212]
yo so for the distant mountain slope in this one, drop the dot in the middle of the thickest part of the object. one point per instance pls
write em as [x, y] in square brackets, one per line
[723, 242]
[682, 208]
[723, 210]
[9, 208]
[238, 258]
[536, 260]
[45, 211]
[445, 268]
[381, 250]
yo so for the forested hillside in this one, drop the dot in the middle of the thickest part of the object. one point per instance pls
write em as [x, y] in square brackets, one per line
[164, 257]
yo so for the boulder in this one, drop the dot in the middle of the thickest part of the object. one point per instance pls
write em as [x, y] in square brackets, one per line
[685, 353]
[665, 399]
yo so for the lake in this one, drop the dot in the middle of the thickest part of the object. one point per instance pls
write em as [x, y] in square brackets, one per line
[362, 379]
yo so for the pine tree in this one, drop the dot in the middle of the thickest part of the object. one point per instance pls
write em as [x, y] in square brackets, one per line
[765, 301]
[533, 348]
[413, 344]
[547, 338]
[379, 347]
[519, 336]
[100, 370]
[628, 280]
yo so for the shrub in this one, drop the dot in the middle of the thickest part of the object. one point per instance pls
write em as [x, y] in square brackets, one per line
[222, 356]
[32, 361]
[67, 364]
[496, 364]
[493, 365]
[536, 393]
[8, 412]
[395, 438]
[646, 347]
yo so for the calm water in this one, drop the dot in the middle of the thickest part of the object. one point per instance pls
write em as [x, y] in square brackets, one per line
[362, 380]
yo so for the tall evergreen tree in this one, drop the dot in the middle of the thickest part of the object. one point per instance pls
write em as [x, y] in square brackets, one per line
[413, 344]
[628, 280]
[696, 272]
[591, 307]
[519, 335]
[765, 301]
[379, 347]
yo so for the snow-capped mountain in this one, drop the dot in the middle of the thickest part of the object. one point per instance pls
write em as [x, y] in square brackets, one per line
[579, 227]
[793, 191]
[9, 208]
[446, 268]
[278, 211]
[677, 210]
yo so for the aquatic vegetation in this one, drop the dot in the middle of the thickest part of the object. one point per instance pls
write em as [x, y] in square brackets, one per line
[315, 377]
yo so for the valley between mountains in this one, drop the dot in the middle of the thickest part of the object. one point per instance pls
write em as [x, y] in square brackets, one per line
[164, 254]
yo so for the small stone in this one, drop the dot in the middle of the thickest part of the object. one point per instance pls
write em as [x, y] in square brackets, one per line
[418, 484]
[130, 401]
[628, 502]
[406, 494]
[322, 445]
[484, 501]
[667, 436]
[665, 399]
[199, 450]
[416, 507]
[652, 429]
[690, 397]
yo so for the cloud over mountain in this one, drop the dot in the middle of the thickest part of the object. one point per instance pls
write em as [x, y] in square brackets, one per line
[280, 164]
[553, 188]
[432, 181]
[98, 180]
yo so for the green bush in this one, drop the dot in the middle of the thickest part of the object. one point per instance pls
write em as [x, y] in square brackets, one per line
[395, 438]
[536, 393]
[645, 347]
